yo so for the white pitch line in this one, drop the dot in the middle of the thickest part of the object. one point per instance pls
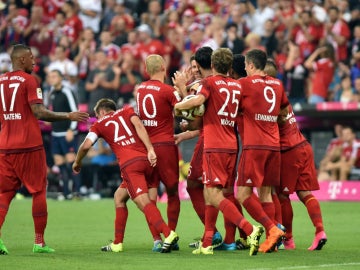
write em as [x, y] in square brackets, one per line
[308, 266]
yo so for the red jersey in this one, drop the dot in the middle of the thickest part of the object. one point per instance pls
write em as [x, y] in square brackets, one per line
[118, 131]
[222, 104]
[20, 131]
[299, 37]
[262, 99]
[72, 28]
[290, 135]
[155, 104]
[340, 28]
[322, 77]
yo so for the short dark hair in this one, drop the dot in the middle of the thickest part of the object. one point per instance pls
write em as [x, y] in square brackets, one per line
[203, 57]
[257, 57]
[17, 49]
[106, 104]
[238, 65]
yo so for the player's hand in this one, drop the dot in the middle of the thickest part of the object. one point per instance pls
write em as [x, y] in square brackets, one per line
[184, 125]
[78, 116]
[179, 138]
[152, 157]
[76, 167]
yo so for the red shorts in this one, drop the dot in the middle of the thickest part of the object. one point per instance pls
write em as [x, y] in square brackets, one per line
[298, 170]
[29, 169]
[134, 175]
[259, 168]
[196, 170]
[219, 169]
[167, 166]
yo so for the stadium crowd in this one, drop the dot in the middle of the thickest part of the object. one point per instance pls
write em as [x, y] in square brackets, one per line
[100, 46]
[105, 52]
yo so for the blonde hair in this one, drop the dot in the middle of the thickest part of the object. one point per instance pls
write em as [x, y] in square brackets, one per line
[154, 63]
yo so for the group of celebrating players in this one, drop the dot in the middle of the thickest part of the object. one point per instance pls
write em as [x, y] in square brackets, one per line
[247, 138]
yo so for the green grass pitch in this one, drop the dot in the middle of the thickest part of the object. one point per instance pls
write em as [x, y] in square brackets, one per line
[77, 230]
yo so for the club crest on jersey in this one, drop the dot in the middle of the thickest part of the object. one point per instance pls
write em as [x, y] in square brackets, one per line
[39, 93]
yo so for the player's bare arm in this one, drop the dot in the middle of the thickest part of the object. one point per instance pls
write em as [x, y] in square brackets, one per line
[42, 113]
[82, 152]
[144, 137]
[189, 104]
[187, 135]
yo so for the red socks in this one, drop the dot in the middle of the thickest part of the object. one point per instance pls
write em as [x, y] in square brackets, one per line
[198, 201]
[120, 224]
[254, 208]
[313, 207]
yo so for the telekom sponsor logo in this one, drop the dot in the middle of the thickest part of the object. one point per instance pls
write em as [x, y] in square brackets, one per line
[337, 191]
[329, 191]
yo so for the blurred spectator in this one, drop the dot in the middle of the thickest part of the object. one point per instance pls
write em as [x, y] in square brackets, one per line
[268, 39]
[341, 169]
[50, 8]
[34, 32]
[90, 12]
[103, 81]
[355, 53]
[341, 70]
[111, 50]
[357, 86]
[129, 78]
[188, 18]
[295, 75]
[346, 93]
[108, 14]
[84, 60]
[337, 33]
[259, 15]
[253, 41]
[16, 19]
[149, 45]
[153, 17]
[306, 34]
[332, 154]
[284, 16]
[238, 15]
[5, 61]
[73, 25]
[67, 67]
[231, 39]
[64, 133]
[174, 45]
[322, 65]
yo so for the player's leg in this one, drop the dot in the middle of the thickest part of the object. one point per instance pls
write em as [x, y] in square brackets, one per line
[9, 183]
[134, 174]
[168, 169]
[157, 247]
[313, 207]
[32, 170]
[287, 219]
[6, 196]
[121, 196]
[230, 228]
